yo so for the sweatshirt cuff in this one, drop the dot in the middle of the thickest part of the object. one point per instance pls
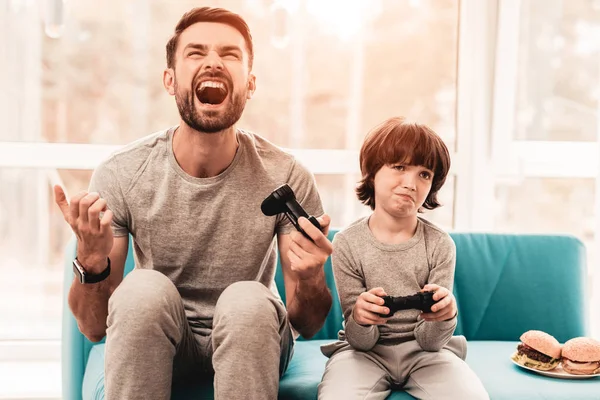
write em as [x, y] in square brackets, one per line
[359, 336]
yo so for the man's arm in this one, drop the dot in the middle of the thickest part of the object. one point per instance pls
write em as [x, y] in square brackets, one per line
[90, 219]
[89, 301]
[307, 296]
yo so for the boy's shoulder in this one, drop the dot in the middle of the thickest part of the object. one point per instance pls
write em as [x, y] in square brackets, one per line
[434, 234]
[352, 231]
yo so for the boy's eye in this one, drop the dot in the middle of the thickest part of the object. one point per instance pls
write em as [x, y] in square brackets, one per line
[398, 167]
[426, 175]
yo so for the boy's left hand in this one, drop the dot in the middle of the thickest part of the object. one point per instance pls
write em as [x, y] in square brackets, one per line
[445, 309]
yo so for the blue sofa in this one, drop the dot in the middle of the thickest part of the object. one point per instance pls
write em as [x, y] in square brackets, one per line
[504, 285]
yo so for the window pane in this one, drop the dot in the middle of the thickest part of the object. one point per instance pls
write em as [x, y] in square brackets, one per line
[33, 235]
[558, 70]
[549, 205]
[321, 81]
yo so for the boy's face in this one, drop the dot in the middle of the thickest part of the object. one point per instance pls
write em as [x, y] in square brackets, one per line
[401, 190]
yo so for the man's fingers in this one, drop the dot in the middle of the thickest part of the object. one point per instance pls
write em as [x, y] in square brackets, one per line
[94, 214]
[85, 203]
[105, 221]
[324, 221]
[294, 259]
[301, 240]
[74, 205]
[299, 251]
[316, 235]
[61, 200]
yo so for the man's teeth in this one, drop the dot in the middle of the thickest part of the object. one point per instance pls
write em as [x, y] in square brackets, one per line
[212, 84]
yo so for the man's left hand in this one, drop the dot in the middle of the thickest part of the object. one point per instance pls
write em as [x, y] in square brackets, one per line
[307, 258]
[445, 309]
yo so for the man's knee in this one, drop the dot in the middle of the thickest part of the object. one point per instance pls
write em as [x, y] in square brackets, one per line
[142, 294]
[246, 303]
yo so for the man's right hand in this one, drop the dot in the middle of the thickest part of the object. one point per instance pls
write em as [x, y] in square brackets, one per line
[368, 307]
[94, 233]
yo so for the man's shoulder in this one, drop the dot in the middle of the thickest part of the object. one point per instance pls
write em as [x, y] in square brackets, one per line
[128, 159]
[264, 148]
[279, 163]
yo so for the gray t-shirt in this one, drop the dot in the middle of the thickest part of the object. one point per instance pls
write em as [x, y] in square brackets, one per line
[202, 233]
[361, 263]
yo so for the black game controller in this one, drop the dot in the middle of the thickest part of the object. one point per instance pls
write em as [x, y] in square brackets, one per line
[283, 200]
[419, 301]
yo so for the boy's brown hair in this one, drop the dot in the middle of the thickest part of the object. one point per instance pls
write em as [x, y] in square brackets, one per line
[396, 141]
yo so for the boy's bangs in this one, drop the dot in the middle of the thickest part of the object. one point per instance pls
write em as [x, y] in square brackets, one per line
[409, 149]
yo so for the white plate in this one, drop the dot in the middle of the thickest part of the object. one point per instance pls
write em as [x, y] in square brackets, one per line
[557, 372]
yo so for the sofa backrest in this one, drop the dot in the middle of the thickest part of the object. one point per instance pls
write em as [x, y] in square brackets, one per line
[505, 284]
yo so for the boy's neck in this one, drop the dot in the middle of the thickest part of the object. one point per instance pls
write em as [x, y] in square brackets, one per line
[392, 230]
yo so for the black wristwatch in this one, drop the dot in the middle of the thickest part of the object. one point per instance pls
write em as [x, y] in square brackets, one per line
[86, 277]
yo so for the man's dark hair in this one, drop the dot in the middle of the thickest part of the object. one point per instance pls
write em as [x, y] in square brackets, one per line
[209, 14]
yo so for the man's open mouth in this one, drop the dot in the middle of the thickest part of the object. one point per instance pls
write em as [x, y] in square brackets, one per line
[211, 92]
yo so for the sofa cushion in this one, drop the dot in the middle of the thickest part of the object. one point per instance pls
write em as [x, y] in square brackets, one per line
[489, 359]
[298, 383]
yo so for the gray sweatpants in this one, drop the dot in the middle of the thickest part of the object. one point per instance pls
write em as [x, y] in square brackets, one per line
[150, 346]
[353, 374]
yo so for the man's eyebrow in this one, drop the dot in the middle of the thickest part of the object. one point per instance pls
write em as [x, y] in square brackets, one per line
[204, 47]
[230, 48]
[195, 46]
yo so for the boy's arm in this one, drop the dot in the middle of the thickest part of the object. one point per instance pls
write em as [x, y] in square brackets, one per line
[350, 284]
[434, 335]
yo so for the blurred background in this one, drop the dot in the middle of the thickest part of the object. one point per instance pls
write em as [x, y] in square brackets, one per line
[512, 86]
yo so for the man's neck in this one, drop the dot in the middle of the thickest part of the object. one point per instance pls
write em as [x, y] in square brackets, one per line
[392, 230]
[204, 155]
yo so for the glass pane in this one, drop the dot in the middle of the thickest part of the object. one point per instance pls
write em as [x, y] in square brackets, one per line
[549, 205]
[33, 235]
[326, 71]
[558, 70]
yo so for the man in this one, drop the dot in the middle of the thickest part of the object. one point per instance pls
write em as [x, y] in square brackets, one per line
[202, 298]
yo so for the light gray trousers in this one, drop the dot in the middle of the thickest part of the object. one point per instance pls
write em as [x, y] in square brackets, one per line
[352, 374]
[150, 346]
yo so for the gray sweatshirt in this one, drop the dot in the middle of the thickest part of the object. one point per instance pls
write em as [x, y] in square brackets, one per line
[361, 263]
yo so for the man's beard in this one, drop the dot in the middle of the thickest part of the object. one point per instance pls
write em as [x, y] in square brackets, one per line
[209, 121]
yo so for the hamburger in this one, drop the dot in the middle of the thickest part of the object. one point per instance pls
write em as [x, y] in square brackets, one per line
[538, 350]
[581, 356]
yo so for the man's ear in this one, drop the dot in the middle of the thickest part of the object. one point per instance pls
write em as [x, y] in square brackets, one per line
[169, 80]
[251, 86]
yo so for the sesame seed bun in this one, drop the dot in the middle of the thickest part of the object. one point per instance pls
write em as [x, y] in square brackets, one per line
[582, 349]
[542, 342]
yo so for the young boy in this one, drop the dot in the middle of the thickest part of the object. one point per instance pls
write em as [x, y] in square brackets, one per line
[394, 252]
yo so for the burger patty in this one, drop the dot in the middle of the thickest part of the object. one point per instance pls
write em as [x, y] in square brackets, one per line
[533, 354]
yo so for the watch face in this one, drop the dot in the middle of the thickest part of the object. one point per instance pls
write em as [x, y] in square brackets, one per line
[79, 271]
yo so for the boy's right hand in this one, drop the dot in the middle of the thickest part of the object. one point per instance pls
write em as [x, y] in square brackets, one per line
[94, 234]
[368, 307]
